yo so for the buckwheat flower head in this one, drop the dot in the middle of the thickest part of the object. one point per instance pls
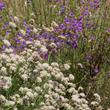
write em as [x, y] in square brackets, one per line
[48, 108]
[67, 106]
[71, 77]
[63, 99]
[38, 89]
[35, 94]
[12, 24]
[75, 97]
[45, 86]
[82, 95]
[37, 43]
[30, 94]
[44, 49]
[35, 30]
[21, 89]
[13, 68]
[61, 86]
[47, 96]
[6, 42]
[97, 96]
[3, 70]
[65, 80]
[39, 80]
[45, 65]
[2, 98]
[8, 50]
[5, 82]
[72, 90]
[53, 45]
[80, 88]
[26, 89]
[54, 24]
[80, 65]
[48, 29]
[16, 19]
[54, 64]
[66, 66]
[94, 103]
[35, 70]
[15, 108]
[57, 76]
[28, 42]
[25, 77]
[83, 100]
[44, 73]
[62, 37]
[9, 103]
[23, 32]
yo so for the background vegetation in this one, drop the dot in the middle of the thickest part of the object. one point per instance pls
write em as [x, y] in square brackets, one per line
[90, 59]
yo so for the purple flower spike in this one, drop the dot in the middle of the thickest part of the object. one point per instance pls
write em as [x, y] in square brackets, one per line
[3, 47]
[108, 30]
[46, 56]
[62, 9]
[75, 44]
[7, 32]
[28, 30]
[62, 26]
[71, 14]
[24, 22]
[67, 20]
[2, 5]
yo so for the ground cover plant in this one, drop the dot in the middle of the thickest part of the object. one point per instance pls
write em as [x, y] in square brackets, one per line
[54, 55]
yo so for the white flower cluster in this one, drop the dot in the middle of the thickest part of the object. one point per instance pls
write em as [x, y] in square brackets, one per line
[5, 82]
[27, 82]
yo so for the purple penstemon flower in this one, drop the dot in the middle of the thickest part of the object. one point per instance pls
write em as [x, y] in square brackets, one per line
[57, 0]
[75, 44]
[82, 1]
[71, 14]
[11, 17]
[62, 26]
[28, 30]
[2, 5]
[67, 20]
[3, 47]
[62, 9]
[94, 4]
[46, 56]
[108, 30]
[5, 25]
[20, 34]
[24, 22]
[7, 32]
